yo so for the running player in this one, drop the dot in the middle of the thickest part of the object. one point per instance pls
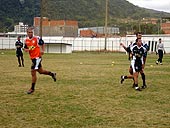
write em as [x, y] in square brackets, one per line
[128, 49]
[35, 46]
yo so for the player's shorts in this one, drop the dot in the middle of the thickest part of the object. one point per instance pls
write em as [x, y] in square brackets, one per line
[136, 66]
[19, 53]
[36, 63]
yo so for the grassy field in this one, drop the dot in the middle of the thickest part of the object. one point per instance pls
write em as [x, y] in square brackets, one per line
[87, 94]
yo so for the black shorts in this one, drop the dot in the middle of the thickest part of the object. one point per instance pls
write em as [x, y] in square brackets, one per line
[19, 53]
[136, 66]
[36, 63]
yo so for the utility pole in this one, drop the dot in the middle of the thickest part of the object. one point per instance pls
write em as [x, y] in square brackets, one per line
[159, 25]
[106, 16]
[139, 25]
[41, 17]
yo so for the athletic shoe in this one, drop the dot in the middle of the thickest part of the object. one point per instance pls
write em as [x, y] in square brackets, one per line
[138, 89]
[30, 91]
[54, 77]
[144, 86]
[156, 62]
[122, 79]
[160, 63]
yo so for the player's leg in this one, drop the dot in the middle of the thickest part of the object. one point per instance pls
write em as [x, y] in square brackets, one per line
[34, 79]
[22, 59]
[135, 68]
[161, 56]
[158, 60]
[19, 61]
[123, 77]
[144, 60]
[143, 79]
[34, 67]
[39, 68]
[45, 72]
[135, 75]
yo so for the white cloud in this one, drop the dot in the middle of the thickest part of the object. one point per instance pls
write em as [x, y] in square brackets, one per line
[160, 5]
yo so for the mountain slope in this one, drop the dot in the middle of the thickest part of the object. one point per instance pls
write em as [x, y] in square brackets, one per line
[87, 12]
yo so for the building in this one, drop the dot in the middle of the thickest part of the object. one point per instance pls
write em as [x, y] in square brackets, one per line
[165, 25]
[19, 29]
[66, 28]
[149, 21]
[98, 31]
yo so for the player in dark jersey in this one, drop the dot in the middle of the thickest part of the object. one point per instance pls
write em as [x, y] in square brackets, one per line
[19, 53]
[137, 63]
[128, 49]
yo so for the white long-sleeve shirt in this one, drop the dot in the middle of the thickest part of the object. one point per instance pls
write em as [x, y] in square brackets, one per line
[160, 46]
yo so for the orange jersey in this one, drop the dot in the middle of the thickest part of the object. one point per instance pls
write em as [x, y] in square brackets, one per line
[33, 46]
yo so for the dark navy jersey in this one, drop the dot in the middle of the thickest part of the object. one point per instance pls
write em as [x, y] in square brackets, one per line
[138, 52]
[19, 46]
[137, 57]
[145, 45]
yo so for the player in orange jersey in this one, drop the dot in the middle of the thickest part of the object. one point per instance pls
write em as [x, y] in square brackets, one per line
[35, 46]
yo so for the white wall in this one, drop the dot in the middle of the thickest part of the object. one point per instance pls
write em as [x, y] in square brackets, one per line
[90, 44]
[58, 48]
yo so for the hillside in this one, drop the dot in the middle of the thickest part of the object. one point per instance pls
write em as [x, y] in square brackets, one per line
[87, 12]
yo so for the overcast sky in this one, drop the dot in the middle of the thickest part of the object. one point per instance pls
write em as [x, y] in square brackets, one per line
[160, 5]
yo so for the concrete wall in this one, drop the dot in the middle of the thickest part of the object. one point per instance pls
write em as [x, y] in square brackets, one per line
[58, 48]
[90, 44]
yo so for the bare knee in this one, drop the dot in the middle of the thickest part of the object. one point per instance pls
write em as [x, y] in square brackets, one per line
[33, 72]
[41, 71]
[131, 71]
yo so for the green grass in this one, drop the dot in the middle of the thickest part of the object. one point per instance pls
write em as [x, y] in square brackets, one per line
[87, 94]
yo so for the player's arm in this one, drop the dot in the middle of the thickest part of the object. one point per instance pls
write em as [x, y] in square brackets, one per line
[164, 49]
[144, 49]
[42, 49]
[121, 44]
[17, 44]
[22, 45]
[42, 46]
[157, 49]
[26, 49]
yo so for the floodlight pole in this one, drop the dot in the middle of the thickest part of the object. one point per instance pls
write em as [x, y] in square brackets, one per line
[106, 16]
